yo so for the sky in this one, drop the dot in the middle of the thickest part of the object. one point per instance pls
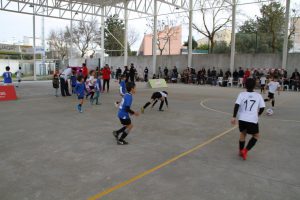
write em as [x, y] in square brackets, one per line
[14, 26]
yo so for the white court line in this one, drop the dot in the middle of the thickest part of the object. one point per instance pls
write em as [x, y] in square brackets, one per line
[226, 113]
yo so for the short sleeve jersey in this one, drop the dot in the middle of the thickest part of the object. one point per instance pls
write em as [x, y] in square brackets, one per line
[125, 103]
[19, 73]
[7, 77]
[250, 103]
[263, 80]
[273, 86]
[163, 94]
[122, 87]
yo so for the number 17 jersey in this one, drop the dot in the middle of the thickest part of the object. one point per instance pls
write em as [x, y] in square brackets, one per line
[250, 103]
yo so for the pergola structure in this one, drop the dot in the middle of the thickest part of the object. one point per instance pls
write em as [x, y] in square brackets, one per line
[76, 10]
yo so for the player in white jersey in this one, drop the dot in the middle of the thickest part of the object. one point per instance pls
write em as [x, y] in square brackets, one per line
[262, 82]
[248, 106]
[274, 86]
[19, 76]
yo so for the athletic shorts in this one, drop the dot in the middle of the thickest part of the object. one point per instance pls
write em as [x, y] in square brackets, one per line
[271, 95]
[156, 95]
[125, 121]
[80, 97]
[262, 86]
[248, 127]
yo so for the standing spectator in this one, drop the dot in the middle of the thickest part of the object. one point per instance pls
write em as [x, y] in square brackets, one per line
[73, 80]
[112, 73]
[146, 71]
[214, 76]
[241, 73]
[126, 73]
[118, 73]
[235, 76]
[106, 77]
[221, 74]
[64, 88]
[55, 83]
[166, 72]
[159, 72]
[7, 76]
[175, 71]
[247, 73]
[132, 73]
[85, 71]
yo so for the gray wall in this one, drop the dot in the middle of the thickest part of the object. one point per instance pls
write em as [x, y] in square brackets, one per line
[220, 61]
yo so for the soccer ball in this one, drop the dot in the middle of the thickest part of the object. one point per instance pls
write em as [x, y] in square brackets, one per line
[270, 112]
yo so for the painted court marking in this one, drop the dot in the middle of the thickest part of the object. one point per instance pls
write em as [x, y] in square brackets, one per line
[226, 113]
[143, 174]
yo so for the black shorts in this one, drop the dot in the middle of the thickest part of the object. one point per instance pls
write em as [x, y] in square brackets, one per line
[125, 121]
[271, 95]
[248, 127]
[80, 97]
[156, 95]
[262, 86]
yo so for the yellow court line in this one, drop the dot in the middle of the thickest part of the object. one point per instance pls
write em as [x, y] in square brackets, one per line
[129, 181]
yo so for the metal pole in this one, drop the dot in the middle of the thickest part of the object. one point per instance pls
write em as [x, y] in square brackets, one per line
[102, 38]
[233, 36]
[285, 42]
[71, 34]
[34, 64]
[43, 44]
[154, 39]
[190, 40]
[126, 34]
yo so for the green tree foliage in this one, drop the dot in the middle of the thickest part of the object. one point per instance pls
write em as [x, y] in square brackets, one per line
[203, 47]
[221, 47]
[194, 43]
[114, 36]
[263, 34]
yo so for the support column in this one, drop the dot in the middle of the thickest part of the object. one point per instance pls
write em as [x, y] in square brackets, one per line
[126, 34]
[190, 46]
[43, 44]
[34, 64]
[286, 29]
[71, 34]
[102, 38]
[232, 53]
[154, 39]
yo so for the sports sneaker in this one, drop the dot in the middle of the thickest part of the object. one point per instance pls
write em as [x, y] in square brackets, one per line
[142, 110]
[161, 110]
[122, 142]
[115, 134]
[78, 108]
[244, 153]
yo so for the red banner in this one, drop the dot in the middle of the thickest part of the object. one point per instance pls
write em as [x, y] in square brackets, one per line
[7, 93]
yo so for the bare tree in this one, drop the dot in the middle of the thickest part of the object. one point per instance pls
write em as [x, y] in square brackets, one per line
[133, 36]
[165, 32]
[215, 12]
[58, 41]
[84, 34]
[295, 17]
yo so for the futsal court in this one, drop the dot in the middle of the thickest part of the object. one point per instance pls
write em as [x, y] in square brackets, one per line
[49, 151]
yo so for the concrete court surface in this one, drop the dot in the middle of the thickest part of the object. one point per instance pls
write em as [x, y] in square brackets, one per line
[49, 151]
